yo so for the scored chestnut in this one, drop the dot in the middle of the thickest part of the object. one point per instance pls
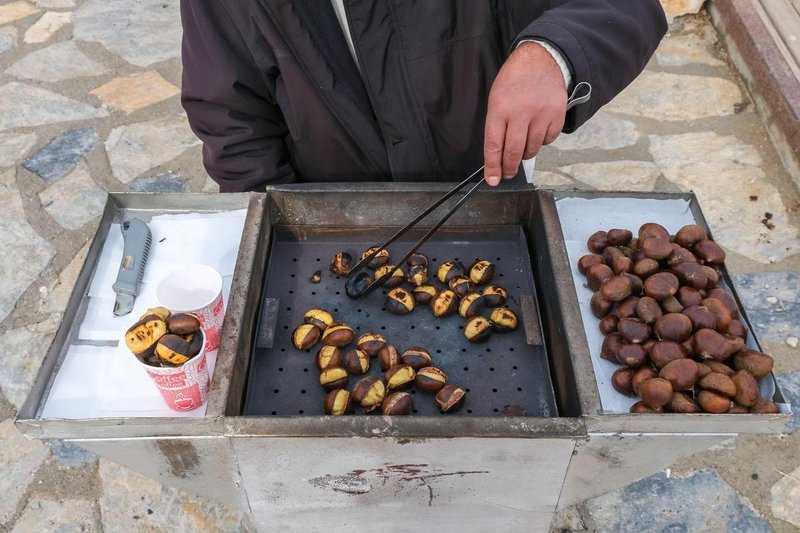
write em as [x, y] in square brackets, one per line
[424, 294]
[449, 270]
[371, 343]
[328, 356]
[389, 357]
[399, 377]
[356, 362]
[172, 349]
[195, 341]
[417, 258]
[397, 403]
[430, 379]
[337, 402]
[160, 311]
[399, 301]
[338, 335]
[481, 272]
[333, 378]
[417, 275]
[450, 398]
[341, 263]
[461, 285]
[380, 259]
[305, 336]
[494, 295]
[445, 303]
[394, 279]
[141, 338]
[369, 393]
[471, 304]
[318, 317]
[416, 357]
[477, 329]
[503, 319]
[355, 286]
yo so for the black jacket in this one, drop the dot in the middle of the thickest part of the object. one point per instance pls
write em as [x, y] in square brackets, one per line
[271, 89]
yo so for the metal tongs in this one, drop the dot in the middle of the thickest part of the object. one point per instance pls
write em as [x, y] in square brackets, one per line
[365, 260]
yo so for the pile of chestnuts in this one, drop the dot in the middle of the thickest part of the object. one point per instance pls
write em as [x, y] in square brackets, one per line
[676, 333]
[163, 338]
[458, 291]
[386, 393]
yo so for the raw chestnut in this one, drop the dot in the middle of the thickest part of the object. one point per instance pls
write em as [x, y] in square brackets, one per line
[688, 296]
[610, 254]
[609, 324]
[701, 317]
[627, 307]
[397, 403]
[691, 275]
[763, 406]
[747, 392]
[703, 369]
[737, 409]
[719, 383]
[461, 285]
[394, 275]
[648, 345]
[656, 392]
[680, 255]
[737, 329]
[631, 355]
[645, 267]
[712, 402]
[757, 363]
[671, 305]
[619, 237]
[369, 393]
[690, 235]
[494, 295]
[305, 336]
[183, 323]
[656, 248]
[341, 263]
[709, 252]
[477, 329]
[371, 343]
[449, 270]
[633, 330]
[424, 294]
[399, 301]
[716, 366]
[661, 285]
[416, 357]
[641, 407]
[417, 258]
[616, 289]
[430, 379]
[663, 352]
[471, 304]
[641, 375]
[356, 362]
[338, 335]
[621, 380]
[600, 307]
[726, 299]
[610, 348]
[652, 229]
[333, 378]
[637, 285]
[712, 276]
[380, 258]
[673, 327]
[399, 377]
[648, 310]
[597, 274]
[417, 275]
[681, 373]
[355, 286]
[172, 349]
[597, 242]
[389, 357]
[481, 272]
[721, 313]
[503, 320]
[450, 398]
[682, 403]
[709, 344]
[328, 356]
[587, 261]
[445, 303]
[141, 338]
[337, 402]
[318, 317]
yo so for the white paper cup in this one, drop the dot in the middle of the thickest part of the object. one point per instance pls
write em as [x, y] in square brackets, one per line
[185, 387]
[196, 289]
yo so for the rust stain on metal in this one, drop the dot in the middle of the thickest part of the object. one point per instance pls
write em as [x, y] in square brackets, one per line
[181, 456]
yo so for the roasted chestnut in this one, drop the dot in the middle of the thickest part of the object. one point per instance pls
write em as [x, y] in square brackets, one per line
[417, 275]
[141, 338]
[395, 279]
[445, 303]
[399, 301]
[333, 378]
[328, 356]
[430, 379]
[449, 270]
[380, 259]
[424, 294]
[450, 398]
[416, 357]
[338, 335]
[337, 402]
[160, 311]
[417, 258]
[389, 357]
[369, 393]
[305, 336]
[172, 349]
[399, 377]
[356, 362]
[397, 403]
[461, 285]
[196, 341]
[494, 295]
[356, 285]
[318, 317]
[371, 343]
[341, 263]
[503, 320]
[481, 272]
[471, 304]
[477, 329]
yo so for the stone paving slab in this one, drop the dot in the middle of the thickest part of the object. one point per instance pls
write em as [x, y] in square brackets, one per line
[19, 460]
[58, 157]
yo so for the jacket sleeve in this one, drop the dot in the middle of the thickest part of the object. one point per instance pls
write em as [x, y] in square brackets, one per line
[228, 102]
[607, 43]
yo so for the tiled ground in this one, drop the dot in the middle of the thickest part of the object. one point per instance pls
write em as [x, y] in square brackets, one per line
[88, 93]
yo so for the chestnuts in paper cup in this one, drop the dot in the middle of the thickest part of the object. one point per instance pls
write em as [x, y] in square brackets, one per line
[196, 289]
[184, 387]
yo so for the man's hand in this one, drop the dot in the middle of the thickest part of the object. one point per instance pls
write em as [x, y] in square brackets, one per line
[527, 107]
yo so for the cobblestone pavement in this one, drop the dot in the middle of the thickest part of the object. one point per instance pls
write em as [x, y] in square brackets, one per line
[88, 93]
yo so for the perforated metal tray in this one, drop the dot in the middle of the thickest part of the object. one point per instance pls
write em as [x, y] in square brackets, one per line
[510, 368]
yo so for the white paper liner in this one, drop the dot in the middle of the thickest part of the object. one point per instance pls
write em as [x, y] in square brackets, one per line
[580, 217]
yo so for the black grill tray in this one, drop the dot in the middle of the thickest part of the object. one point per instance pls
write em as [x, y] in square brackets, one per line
[506, 369]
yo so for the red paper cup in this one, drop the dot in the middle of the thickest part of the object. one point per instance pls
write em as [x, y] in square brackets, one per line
[185, 387]
[196, 289]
